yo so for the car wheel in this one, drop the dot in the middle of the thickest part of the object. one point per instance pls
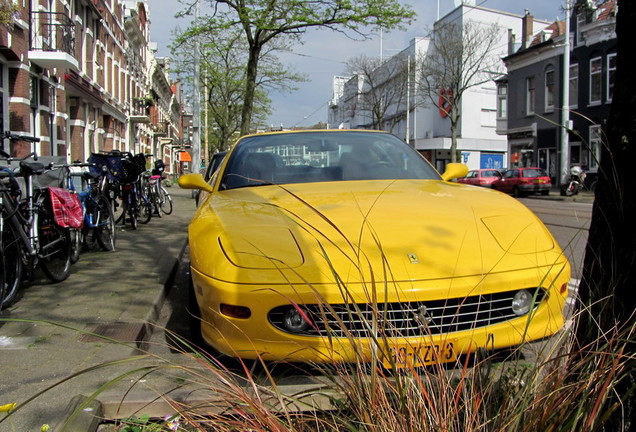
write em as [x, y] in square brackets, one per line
[516, 192]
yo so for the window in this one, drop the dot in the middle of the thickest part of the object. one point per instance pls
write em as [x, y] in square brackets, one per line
[488, 117]
[549, 90]
[611, 74]
[34, 92]
[530, 95]
[596, 70]
[574, 85]
[580, 22]
[575, 153]
[502, 102]
[595, 146]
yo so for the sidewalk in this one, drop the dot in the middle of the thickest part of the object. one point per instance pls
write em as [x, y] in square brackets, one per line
[114, 294]
[583, 196]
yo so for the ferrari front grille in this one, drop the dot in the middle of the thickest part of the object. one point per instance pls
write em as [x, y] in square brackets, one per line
[400, 319]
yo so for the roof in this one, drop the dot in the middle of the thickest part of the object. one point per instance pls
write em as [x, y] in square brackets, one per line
[557, 28]
[607, 10]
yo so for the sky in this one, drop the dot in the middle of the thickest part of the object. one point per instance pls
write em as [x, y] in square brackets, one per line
[324, 53]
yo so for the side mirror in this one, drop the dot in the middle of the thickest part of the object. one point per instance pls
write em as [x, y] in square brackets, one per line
[194, 181]
[454, 170]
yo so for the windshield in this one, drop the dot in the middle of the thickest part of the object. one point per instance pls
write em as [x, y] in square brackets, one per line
[534, 172]
[306, 157]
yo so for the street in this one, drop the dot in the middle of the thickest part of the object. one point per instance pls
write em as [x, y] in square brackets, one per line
[568, 221]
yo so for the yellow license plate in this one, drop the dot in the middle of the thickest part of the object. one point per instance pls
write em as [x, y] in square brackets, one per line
[417, 355]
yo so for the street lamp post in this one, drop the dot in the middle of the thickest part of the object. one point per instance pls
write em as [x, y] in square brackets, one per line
[196, 104]
[565, 106]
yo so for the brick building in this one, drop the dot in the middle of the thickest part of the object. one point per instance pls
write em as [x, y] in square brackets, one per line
[82, 76]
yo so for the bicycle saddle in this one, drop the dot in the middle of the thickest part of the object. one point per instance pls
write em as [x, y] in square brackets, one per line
[32, 167]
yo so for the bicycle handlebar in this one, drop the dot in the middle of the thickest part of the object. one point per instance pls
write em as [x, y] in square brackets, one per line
[69, 165]
[16, 137]
[10, 158]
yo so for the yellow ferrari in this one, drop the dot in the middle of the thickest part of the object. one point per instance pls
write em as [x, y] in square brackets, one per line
[341, 245]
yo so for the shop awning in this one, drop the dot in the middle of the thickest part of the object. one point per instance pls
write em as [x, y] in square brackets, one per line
[184, 157]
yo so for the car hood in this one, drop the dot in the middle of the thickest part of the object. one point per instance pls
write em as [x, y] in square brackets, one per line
[401, 230]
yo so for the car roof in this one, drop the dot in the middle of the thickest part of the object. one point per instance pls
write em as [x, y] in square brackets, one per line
[334, 131]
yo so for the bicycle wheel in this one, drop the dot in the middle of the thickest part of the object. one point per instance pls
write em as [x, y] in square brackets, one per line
[11, 260]
[165, 200]
[104, 222]
[145, 210]
[76, 245]
[131, 210]
[54, 251]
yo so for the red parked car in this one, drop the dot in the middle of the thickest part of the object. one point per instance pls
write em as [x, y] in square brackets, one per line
[481, 177]
[524, 181]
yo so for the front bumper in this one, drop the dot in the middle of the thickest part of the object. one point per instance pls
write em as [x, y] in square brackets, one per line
[535, 188]
[255, 337]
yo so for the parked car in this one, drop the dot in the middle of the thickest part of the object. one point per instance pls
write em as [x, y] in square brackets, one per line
[524, 181]
[344, 245]
[209, 170]
[214, 164]
[481, 177]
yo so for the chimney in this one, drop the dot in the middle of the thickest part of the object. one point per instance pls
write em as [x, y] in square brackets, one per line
[526, 29]
[511, 42]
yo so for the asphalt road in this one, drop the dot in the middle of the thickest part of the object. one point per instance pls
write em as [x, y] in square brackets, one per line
[569, 222]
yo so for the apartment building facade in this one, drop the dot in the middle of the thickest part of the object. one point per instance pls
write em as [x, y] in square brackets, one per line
[422, 124]
[82, 76]
[533, 92]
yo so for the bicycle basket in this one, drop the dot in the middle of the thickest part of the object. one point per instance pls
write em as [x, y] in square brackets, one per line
[102, 162]
[140, 160]
[129, 171]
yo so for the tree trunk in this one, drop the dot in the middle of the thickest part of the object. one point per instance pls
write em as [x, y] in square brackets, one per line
[608, 286]
[454, 120]
[609, 274]
[250, 88]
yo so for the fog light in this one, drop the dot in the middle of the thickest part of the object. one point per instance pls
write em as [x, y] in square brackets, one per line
[521, 302]
[294, 321]
[233, 311]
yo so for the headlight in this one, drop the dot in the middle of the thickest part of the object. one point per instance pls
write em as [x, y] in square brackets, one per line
[522, 302]
[294, 321]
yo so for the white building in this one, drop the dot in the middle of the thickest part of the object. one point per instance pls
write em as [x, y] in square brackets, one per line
[425, 128]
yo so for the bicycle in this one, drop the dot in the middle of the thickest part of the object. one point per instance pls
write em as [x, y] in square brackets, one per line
[161, 196]
[99, 221]
[31, 235]
[158, 195]
[135, 206]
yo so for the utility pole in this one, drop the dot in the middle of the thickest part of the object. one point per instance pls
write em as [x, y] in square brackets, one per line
[408, 100]
[196, 104]
[565, 106]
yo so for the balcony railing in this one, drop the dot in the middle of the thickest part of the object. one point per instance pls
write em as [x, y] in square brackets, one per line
[52, 40]
[140, 110]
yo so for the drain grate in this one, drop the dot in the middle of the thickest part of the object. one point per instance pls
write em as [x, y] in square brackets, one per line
[117, 331]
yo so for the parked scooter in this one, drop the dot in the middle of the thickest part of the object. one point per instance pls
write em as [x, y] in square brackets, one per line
[575, 181]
